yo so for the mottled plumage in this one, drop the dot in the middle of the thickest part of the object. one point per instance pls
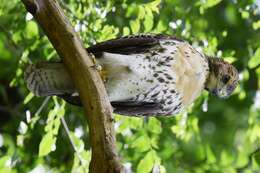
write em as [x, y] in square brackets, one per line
[143, 75]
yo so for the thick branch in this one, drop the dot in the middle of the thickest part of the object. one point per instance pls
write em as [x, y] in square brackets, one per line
[56, 26]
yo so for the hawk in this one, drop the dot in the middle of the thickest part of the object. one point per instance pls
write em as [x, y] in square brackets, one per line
[144, 75]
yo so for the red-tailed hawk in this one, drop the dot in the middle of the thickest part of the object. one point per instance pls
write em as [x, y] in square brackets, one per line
[148, 75]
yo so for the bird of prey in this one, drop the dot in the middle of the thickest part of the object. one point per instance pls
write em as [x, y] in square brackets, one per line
[144, 75]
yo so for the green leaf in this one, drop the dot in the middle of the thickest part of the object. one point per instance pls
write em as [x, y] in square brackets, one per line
[108, 32]
[154, 5]
[82, 157]
[135, 123]
[257, 157]
[161, 26]
[256, 25]
[51, 116]
[230, 59]
[211, 158]
[46, 144]
[79, 144]
[148, 20]
[135, 26]
[162, 169]
[146, 164]
[141, 12]
[3, 160]
[79, 167]
[245, 14]
[142, 143]
[5, 54]
[154, 125]
[210, 3]
[56, 127]
[52, 128]
[255, 60]
[20, 140]
[126, 31]
[226, 158]
[28, 98]
[31, 29]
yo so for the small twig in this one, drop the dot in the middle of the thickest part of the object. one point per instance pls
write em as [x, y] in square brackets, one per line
[64, 125]
[43, 105]
[71, 140]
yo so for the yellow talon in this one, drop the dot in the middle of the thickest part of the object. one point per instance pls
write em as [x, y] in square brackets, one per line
[103, 73]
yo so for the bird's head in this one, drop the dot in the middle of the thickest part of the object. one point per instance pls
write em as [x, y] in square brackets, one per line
[222, 78]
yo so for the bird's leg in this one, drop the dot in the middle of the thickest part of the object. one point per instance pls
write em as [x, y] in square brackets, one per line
[102, 72]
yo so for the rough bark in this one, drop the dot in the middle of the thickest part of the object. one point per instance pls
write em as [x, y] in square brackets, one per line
[98, 110]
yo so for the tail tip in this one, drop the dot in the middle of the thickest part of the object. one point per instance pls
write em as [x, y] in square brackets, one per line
[30, 79]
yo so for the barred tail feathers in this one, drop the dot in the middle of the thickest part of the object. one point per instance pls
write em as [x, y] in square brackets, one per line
[46, 79]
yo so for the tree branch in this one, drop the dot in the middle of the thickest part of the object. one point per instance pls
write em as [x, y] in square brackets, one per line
[98, 110]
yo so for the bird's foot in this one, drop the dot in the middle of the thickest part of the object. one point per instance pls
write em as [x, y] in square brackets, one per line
[92, 56]
[96, 66]
[99, 68]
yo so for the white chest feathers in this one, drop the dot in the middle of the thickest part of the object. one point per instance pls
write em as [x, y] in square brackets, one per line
[191, 69]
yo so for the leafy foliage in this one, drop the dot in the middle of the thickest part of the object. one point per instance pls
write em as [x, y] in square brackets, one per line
[211, 136]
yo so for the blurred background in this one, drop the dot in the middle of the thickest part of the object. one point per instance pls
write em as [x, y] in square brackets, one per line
[213, 135]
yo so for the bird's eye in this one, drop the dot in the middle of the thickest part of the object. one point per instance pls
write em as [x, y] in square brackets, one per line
[225, 79]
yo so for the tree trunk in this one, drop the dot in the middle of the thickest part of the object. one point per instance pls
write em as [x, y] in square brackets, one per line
[92, 92]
